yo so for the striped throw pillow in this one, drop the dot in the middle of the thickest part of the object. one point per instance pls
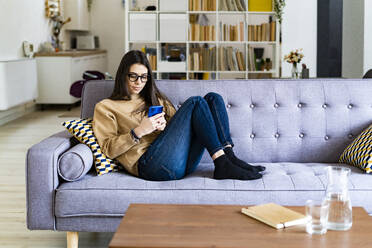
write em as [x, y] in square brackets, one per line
[359, 152]
[82, 130]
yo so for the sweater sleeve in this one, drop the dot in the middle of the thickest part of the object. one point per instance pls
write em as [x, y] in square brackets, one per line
[105, 129]
[169, 110]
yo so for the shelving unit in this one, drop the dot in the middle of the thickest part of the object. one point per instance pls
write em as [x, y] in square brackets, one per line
[135, 25]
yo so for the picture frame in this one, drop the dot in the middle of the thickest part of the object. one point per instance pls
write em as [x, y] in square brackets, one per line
[52, 8]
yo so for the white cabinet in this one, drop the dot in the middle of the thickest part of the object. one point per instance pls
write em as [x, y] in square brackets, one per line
[172, 27]
[173, 5]
[56, 74]
[17, 88]
[78, 11]
[142, 27]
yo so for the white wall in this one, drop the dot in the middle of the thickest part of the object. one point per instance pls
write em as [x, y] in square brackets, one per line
[107, 21]
[352, 38]
[299, 30]
[21, 20]
[367, 36]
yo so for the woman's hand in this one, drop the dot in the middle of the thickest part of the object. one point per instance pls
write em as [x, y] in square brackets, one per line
[159, 121]
[150, 124]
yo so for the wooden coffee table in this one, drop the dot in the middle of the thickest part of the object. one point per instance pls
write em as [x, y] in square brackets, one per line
[199, 226]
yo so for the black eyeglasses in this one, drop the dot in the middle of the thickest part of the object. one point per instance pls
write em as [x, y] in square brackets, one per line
[133, 77]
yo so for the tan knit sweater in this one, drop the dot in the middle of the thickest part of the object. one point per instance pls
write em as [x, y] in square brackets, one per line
[112, 122]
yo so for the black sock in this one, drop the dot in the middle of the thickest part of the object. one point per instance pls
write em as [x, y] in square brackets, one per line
[225, 169]
[231, 156]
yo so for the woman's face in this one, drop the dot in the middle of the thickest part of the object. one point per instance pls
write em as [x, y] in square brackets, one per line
[137, 78]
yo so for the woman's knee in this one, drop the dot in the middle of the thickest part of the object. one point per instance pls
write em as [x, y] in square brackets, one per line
[213, 96]
[195, 100]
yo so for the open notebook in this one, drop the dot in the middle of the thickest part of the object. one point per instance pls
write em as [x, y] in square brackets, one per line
[275, 215]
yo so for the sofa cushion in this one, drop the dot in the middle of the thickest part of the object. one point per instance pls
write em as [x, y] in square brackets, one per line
[75, 162]
[282, 183]
[82, 130]
[359, 152]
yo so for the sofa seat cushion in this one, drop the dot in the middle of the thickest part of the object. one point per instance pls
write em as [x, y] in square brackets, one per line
[282, 183]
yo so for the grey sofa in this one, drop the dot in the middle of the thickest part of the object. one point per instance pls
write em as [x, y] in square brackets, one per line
[294, 128]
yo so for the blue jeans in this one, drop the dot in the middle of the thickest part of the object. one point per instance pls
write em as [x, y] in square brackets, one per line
[199, 123]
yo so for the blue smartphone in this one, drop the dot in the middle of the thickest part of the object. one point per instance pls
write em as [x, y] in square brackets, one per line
[154, 110]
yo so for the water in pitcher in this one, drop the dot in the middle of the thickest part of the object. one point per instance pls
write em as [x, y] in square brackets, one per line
[340, 216]
[340, 212]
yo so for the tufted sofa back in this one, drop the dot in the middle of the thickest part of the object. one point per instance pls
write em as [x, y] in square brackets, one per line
[275, 120]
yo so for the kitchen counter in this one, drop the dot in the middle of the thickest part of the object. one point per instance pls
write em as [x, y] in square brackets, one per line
[71, 53]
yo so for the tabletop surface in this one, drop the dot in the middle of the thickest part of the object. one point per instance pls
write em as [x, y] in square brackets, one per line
[164, 225]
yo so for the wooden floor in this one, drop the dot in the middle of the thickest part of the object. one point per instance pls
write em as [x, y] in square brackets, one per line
[15, 138]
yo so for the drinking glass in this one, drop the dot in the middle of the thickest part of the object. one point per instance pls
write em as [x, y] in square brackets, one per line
[317, 212]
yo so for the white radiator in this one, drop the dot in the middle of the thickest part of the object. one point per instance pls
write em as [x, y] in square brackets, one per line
[18, 82]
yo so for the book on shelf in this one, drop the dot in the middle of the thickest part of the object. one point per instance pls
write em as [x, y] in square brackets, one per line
[241, 63]
[151, 56]
[202, 75]
[272, 31]
[202, 5]
[232, 5]
[252, 66]
[242, 4]
[275, 215]
[202, 58]
[200, 29]
[221, 58]
[262, 32]
[242, 31]
[199, 32]
[232, 32]
[223, 5]
[206, 76]
[230, 59]
[152, 60]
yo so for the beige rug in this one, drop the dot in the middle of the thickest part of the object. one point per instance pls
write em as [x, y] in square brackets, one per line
[74, 112]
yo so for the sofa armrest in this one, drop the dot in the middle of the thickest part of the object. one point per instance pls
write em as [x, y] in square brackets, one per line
[42, 179]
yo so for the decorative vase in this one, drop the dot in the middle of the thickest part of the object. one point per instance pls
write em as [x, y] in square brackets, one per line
[294, 71]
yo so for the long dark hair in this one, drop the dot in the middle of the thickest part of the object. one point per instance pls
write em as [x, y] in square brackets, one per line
[150, 93]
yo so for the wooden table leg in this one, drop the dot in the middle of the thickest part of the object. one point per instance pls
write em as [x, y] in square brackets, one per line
[72, 239]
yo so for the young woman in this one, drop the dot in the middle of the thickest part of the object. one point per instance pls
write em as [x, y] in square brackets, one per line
[169, 145]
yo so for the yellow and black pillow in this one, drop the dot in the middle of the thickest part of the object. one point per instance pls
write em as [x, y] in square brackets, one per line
[82, 130]
[359, 152]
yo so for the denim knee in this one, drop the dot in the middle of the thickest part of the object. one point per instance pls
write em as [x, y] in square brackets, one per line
[213, 96]
[195, 100]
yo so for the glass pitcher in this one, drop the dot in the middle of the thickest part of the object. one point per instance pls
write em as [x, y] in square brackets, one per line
[337, 195]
